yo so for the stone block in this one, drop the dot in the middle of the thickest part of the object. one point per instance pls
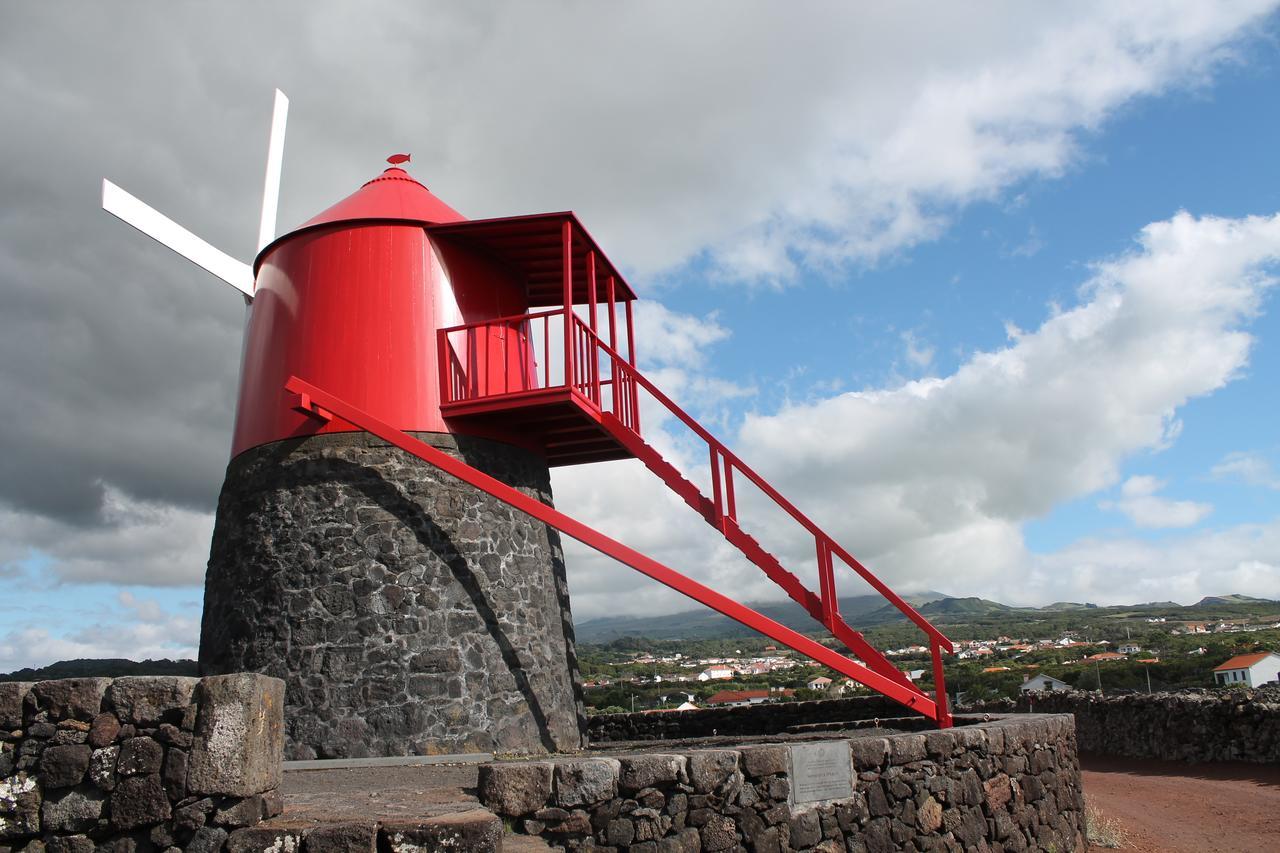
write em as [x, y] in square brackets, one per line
[104, 730]
[73, 810]
[476, 830]
[761, 761]
[710, 769]
[68, 698]
[637, 772]
[69, 844]
[240, 812]
[239, 735]
[264, 839]
[193, 815]
[139, 756]
[342, 838]
[102, 767]
[584, 781]
[869, 753]
[19, 807]
[139, 801]
[64, 766]
[207, 839]
[719, 833]
[907, 748]
[12, 694]
[515, 789]
[148, 700]
[806, 830]
[174, 774]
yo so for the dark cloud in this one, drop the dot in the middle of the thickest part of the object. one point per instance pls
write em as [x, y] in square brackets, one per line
[671, 128]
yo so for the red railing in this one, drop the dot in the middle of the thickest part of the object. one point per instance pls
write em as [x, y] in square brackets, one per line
[599, 376]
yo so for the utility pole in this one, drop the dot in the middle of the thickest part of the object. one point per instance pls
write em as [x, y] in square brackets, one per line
[1147, 670]
[1097, 667]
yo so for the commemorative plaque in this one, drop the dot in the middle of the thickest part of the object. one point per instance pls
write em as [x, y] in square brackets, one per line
[821, 771]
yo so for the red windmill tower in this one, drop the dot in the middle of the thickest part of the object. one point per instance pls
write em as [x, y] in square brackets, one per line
[407, 610]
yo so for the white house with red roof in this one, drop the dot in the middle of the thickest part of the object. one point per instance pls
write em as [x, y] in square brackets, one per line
[1251, 670]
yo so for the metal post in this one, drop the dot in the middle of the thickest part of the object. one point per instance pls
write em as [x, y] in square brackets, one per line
[631, 359]
[566, 236]
[942, 714]
[593, 351]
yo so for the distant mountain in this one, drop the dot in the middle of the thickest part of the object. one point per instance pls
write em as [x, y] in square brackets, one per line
[108, 667]
[1210, 600]
[706, 624]
[865, 611]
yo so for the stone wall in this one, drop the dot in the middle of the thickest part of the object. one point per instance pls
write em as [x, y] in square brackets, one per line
[137, 763]
[1008, 784]
[407, 612]
[1191, 725]
[767, 718]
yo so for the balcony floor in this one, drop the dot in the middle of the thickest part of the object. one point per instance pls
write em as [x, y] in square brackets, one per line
[567, 424]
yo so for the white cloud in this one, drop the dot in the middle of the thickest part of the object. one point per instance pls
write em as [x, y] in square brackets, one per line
[1247, 467]
[1243, 559]
[1139, 501]
[930, 481]
[137, 542]
[918, 353]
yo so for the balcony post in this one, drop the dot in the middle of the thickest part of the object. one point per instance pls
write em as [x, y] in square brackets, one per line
[566, 238]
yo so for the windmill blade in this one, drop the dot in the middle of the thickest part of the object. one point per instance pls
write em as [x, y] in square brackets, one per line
[275, 156]
[166, 232]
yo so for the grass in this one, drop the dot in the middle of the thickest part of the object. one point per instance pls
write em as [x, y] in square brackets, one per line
[1103, 831]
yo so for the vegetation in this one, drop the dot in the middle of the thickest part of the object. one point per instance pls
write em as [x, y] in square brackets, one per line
[108, 668]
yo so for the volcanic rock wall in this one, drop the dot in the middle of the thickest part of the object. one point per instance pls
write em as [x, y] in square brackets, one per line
[137, 763]
[1009, 784]
[1191, 725]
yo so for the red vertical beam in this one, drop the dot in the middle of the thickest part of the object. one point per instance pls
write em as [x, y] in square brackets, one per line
[442, 356]
[631, 359]
[731, 503]
[717, 497]
[566, 238]
[827, 584]
[942, 712]
[593, 351]
[613, 316]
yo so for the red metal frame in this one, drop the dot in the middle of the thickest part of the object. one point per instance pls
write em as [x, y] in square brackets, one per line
[585, 352]
[324, 406]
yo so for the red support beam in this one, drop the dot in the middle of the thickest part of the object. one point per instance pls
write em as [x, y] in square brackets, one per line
[566, 242]
[318, 399]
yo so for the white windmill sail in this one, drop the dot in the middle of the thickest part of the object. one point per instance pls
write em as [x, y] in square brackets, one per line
[168, 233]
[275, 157]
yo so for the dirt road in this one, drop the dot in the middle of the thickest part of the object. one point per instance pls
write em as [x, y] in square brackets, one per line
[1167, 807]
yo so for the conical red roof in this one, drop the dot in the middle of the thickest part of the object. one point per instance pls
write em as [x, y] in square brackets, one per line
[391, 195]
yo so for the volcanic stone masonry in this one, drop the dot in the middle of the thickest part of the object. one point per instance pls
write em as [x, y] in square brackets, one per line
[1007, 784]
[406, 612]
[1190, 725]
[138, 763]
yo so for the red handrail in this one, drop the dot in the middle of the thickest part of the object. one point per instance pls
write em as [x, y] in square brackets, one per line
[582, 373]
[323, 405]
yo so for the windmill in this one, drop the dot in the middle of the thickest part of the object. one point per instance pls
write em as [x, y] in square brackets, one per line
[385, 539]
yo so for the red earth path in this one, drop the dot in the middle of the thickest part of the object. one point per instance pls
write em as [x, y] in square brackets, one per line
[1169, 807]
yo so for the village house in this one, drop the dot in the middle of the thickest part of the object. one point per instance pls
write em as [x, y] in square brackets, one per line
[715, 673]
[1250, 670]
[1129, 649]
[1106, 656]
[1045, 683]
[819, 683]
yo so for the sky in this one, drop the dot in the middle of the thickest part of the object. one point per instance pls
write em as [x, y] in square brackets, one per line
[986, 289]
